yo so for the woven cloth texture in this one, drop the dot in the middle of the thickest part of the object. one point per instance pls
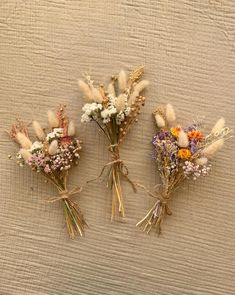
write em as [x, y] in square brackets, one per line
[187, 48]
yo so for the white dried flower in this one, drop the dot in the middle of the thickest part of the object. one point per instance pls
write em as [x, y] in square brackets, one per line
[211, 149]
[141, 86]
[91, 111]
[96, 95]
[170, 113]
[182, 139]
[121, 102]
[52, 119]
[120, 118]
[56, 133]
[202, 161]
[71, 129]
[122, 80]
[219, 125]
[25, 154]
[85, 118]
[111, 89]
[85, 89]
[23, 140]
[38, 130]
[160, 121]
[105, 113]
[53, 147]
[37, 145]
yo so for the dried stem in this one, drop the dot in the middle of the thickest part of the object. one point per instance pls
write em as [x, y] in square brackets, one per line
[74, 219]
[155, 216]
[114, 183]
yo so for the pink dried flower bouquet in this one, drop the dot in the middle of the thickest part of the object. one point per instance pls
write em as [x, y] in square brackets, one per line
[180, 153]
[53, 155]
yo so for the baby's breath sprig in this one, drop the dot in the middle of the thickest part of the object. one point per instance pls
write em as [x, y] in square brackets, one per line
[114, 109]
[180, 153]
[53, 154]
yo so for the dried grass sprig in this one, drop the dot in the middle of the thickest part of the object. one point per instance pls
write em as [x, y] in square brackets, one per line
[114, 115]
[180, 153]
[53, 155]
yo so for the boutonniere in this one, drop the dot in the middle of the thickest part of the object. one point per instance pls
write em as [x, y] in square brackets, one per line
[180, 153]
[114, 109]
[54, 152]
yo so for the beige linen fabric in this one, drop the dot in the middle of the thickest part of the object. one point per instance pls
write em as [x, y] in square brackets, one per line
[188, 50]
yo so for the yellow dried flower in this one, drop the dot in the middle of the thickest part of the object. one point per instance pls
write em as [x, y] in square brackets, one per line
[175, 131]
[184, 153]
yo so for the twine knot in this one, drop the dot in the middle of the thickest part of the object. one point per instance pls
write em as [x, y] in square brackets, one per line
[113, 145]
[116, 160]
[115, 153]
[65, 194]
[162, 200]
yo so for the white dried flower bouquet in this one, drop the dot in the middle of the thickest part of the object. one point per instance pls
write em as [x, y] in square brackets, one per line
[114, 109]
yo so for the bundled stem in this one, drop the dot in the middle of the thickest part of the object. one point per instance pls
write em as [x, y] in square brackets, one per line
[53, 155]
[155, 216]
[114, 183]
[74, 219]
[117, 170]
[115, 109]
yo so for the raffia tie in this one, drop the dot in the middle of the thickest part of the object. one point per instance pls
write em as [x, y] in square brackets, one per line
[115, 160]
[65, 195]
[161, 202]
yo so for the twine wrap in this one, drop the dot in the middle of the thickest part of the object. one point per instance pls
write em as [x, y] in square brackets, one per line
[65, 194]
[116, 160]
[155, 215]
[117, 169]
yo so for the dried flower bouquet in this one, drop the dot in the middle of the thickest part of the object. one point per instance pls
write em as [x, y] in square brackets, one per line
[114, 109]
[180, 153]
[53, 155]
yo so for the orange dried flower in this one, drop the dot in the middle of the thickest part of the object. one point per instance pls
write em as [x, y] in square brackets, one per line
[195, 135]
[175, 131]
[184, 153]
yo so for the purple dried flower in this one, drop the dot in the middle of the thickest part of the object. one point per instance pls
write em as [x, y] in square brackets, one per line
[193, 146]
